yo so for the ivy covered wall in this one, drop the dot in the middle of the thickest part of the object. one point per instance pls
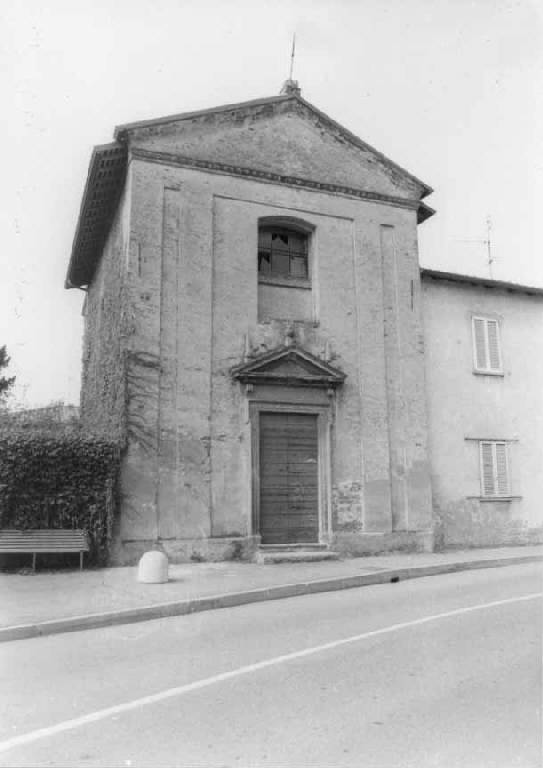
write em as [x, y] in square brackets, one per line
[59, 480]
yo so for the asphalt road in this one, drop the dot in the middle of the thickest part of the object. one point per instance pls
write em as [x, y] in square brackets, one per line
[441, 671]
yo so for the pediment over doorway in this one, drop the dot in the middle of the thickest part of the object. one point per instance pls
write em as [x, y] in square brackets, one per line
[292, 366]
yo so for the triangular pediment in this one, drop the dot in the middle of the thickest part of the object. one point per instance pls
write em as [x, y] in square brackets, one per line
[283, 140]
[285, 136]
[289, 365]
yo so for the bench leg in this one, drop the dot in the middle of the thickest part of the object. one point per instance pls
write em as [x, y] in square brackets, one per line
[81, 561]
[33, 561]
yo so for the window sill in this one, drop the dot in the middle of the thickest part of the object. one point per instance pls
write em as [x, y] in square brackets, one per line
[270, 320]
[495, 498]
[285, 282]
[479, 372]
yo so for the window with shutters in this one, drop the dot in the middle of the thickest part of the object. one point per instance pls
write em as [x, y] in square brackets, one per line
[487, 357]
[494, 469]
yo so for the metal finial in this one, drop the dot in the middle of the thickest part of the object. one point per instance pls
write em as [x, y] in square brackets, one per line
[290, 86]
[292, 56]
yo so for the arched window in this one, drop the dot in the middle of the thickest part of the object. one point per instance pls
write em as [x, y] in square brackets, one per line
[282, 252]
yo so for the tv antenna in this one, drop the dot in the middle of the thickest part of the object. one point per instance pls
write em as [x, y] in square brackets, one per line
[487, 242]
[488, 246]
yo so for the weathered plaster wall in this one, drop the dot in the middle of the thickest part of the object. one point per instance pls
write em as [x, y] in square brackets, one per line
[107, 321]
[192, 282]
[465, 405]
[285, 303]
[166, 472]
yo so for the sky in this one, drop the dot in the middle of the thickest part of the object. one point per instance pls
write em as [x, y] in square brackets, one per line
[452, 90]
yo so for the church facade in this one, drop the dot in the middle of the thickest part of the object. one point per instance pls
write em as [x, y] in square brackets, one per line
[255, 336]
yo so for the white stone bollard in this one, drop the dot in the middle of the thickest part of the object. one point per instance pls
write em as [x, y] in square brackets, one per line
[153, 567]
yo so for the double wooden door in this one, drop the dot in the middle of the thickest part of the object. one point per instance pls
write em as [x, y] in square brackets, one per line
[289, 478]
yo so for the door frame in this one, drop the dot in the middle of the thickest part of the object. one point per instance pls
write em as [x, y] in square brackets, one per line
[324, 459]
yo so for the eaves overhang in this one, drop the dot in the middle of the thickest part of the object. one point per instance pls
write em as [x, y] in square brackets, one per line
[105, 180]
[483, 282]
[424, 212]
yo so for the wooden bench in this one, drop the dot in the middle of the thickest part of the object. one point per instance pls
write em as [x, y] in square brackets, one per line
[44, 541]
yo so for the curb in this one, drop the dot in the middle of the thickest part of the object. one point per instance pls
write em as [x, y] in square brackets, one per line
[232, 599]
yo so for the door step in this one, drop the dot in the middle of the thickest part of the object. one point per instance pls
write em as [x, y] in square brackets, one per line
[293, 547]
[276, 555]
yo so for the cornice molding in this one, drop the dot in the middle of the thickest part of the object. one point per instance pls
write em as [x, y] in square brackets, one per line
[212, 166]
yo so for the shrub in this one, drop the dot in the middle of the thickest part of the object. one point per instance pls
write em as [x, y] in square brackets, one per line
[59, 480]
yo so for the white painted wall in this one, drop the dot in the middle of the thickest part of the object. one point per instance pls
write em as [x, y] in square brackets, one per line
[462, 404]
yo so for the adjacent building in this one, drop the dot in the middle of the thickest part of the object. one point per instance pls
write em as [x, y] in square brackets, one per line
[484, 384]
[258, 336]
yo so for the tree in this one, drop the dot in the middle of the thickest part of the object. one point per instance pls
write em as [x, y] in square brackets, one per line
[6, 382]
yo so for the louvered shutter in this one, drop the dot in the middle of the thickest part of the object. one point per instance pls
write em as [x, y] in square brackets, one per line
[487, 469]
[480, 342]
[486, 344]
[502, 480]
[493, 345]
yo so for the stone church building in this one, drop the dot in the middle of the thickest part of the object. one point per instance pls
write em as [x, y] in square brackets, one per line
[260, 337]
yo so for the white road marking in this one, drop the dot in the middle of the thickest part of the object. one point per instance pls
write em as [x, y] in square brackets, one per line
[144, 701]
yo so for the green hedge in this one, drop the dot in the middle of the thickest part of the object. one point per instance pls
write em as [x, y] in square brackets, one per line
[51, 480]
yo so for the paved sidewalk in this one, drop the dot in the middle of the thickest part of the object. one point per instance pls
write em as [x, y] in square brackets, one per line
[50, 602]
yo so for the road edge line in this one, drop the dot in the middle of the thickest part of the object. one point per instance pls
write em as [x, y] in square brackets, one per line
[154, 698]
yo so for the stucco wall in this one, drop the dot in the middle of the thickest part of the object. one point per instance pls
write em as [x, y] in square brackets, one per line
[192, 281]
[465, 407]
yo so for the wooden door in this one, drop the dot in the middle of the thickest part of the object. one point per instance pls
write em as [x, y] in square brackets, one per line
[289, 478]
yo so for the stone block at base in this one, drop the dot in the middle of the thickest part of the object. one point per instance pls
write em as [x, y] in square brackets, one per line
[246, 548]
[359, 544]
[187, 550]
